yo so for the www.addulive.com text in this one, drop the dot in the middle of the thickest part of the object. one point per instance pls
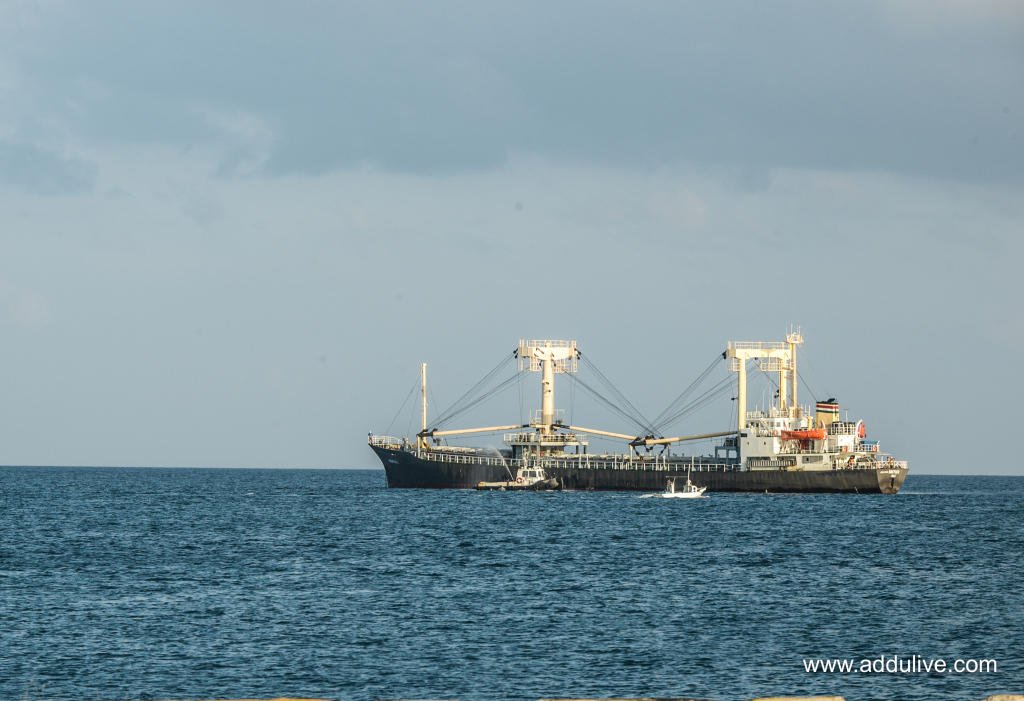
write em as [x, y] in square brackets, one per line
[901, 665]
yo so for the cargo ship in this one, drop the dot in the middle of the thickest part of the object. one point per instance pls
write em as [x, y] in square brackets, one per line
[781, 448]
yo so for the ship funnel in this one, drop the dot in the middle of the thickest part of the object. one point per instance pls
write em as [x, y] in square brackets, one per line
[826, 412]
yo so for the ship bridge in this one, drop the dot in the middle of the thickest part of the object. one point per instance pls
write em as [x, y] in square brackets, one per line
[539, 443]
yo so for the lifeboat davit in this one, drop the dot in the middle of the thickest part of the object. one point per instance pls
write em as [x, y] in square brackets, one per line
[817, 434]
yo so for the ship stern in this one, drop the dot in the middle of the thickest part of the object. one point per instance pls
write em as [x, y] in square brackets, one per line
[890, 479]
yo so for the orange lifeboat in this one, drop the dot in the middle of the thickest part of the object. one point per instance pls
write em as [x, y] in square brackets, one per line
[817, 434]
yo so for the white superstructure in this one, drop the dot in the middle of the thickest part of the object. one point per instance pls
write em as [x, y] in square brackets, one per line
[788, 436]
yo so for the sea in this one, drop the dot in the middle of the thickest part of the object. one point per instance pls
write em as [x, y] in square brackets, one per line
[249, 583]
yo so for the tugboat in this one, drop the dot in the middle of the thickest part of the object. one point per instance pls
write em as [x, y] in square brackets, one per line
[782, 448]
[532, 480]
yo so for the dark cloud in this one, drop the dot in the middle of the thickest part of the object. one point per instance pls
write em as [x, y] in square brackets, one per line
[43, 172]
[453, 85]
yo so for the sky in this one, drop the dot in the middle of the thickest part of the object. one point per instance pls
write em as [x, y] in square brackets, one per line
[231, 232]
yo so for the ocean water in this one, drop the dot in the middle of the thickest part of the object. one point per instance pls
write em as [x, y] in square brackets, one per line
[190, 583]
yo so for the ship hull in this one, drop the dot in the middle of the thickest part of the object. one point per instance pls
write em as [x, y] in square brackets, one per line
[405, 470]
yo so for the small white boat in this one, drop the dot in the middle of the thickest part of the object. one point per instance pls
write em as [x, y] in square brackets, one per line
[687, 491]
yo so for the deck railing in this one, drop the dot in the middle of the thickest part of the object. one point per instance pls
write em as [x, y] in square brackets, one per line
[759, 345]
[582, 461]
[384, 441]
[463, 459]
[590, 462]
[774, 413]
[547, 438]
[859, 448]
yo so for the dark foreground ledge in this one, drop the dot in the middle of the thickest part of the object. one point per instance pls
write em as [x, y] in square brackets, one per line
[997, 697]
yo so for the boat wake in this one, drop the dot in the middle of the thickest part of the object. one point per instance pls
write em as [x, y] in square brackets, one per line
[677, 495]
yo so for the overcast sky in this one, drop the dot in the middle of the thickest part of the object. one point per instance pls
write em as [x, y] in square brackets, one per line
[230, 232]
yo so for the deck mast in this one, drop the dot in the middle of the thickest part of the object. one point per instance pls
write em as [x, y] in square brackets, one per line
[794, 339]
[549, 357]
[423, 392]
[547, 395]
[769, 357]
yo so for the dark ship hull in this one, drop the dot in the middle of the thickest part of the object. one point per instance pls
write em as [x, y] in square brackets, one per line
[405, 470]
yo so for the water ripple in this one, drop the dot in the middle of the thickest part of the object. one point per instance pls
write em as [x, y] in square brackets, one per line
[147, 583]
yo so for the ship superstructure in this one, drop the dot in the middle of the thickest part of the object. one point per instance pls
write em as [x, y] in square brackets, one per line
[785, 447]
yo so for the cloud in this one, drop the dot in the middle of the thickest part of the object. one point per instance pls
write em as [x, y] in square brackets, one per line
[449, 86]
[26, 307]
[201, 207]
[248, 140]
[297, 267]
[43, 172]
[945, 16]
[681, 210]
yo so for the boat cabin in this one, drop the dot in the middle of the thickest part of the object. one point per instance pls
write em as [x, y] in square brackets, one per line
[688, 488]
[527, 477]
